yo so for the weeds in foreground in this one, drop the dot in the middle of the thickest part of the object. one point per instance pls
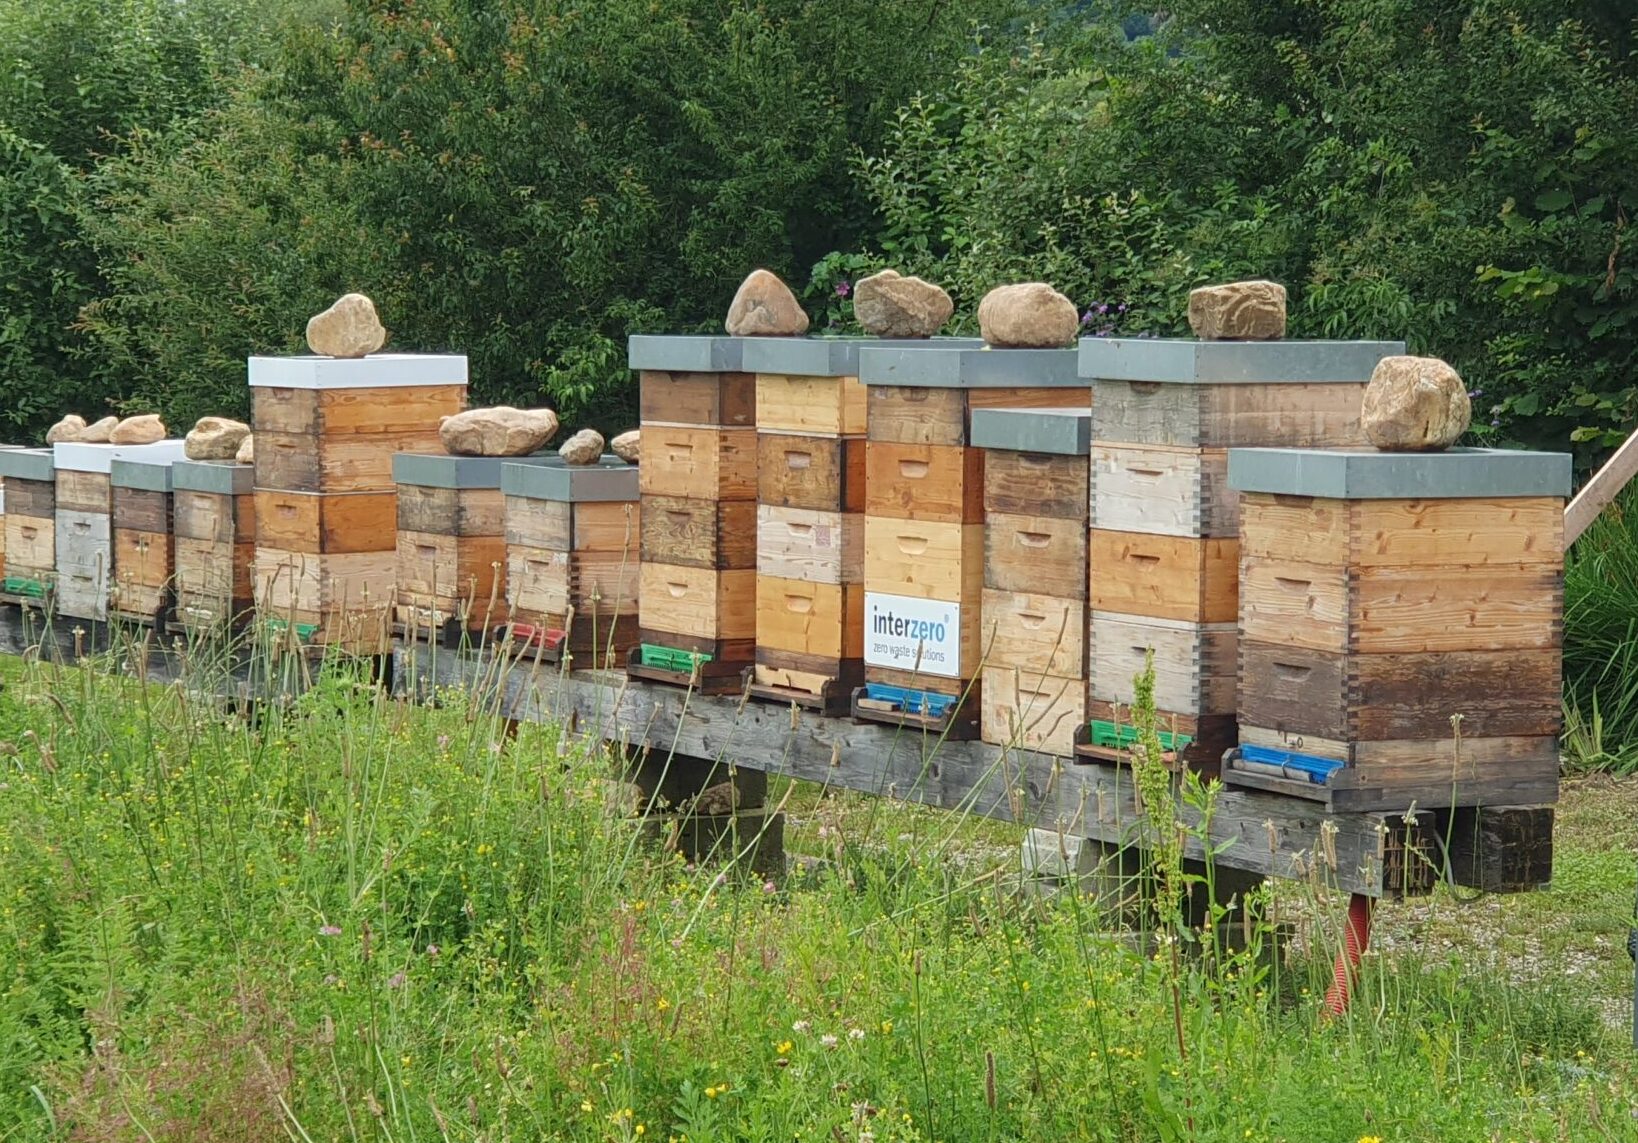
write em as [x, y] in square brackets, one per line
[356, 917]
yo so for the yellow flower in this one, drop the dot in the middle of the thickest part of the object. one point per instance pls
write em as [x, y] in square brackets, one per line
[1370, 1139]
[586, 1106]
[640, 1129]
[887, 1027]
[783, 1047]
[662, 1004]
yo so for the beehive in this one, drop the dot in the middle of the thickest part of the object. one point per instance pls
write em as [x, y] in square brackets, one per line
[1034, 599]
[572, 549]
[85, 553]
[1163, 553]
[144, 547]
[327, 430]
[697, 480]
[1401, 625]
[30, 523]
[213, 515]
[924, 511]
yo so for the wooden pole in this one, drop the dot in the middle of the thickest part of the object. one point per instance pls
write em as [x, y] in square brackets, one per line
[1605, 485]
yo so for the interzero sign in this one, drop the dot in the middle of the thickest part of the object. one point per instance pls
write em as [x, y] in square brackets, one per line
[913, 634]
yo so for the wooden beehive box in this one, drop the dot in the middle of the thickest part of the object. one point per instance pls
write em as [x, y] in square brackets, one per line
[1163, 556]
[1401, 625]
[30, 524]
[924, 534]
[144, 547]
[697, 583]
[85, 526]
[1034, 599]
[451, 543]
[213, 517]
[572, 538]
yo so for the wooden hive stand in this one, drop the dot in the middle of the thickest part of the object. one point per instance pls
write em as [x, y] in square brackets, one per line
[1163, 554]
[924, 521]
[1034, 601]
[326, 431]
[30, 568]
[572, 548]
[697, 581]
[144, 544]
[1401, 626]
[213, 514]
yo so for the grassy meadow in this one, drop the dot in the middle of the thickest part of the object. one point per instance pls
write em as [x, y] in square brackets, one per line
[359, 918]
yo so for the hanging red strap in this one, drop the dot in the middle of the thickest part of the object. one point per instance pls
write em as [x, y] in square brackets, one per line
[1354, 942]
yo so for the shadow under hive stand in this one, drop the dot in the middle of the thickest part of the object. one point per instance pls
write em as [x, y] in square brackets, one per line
[572, 549]
[451, 578]
[924, 531]
[697, 580]
[326, 431]
[1034, 601]
[1163, 553]
[30, 525]
[144, 547]
[213, 516]
[1384, 595]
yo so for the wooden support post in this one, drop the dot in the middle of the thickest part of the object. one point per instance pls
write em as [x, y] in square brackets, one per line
[1604, 486]
[1501, 850]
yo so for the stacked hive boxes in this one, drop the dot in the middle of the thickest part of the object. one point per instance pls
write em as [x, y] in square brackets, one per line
[1400, 625]
[144, 552]
[30, 522]
[213, 513]
[697, 584]
[1163, 552]
[85, 529]
[1034, 602]
[326, 528]
[924, 532]
[572, 545]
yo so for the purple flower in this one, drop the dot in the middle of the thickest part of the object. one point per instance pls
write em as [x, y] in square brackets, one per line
[1120, 309]
[1086, 318]
[433, 950]
[397, 980]
[329, 930]
[1496, 424]
[843, 289]
[1475, 392]
[1103, 307]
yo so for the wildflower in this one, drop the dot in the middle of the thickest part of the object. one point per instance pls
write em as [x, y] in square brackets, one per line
[433, 950]
[329, 930]
[887, 1027]
[783, 1047]
[828, 1040]
[855, 1034]
[769, 887]
[710, 1093]
[1496, 424]
[1103, 307]
[801, 1027]
[1370, 1139]
[843, 289]
[639, 1129]
[397, 980]
[1120, 309]
[443, 742]
[662, 1004]
[1475, 392]
[586, 1106]
[1086, 318]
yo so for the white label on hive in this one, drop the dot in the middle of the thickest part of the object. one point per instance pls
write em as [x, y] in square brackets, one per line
[913, 634]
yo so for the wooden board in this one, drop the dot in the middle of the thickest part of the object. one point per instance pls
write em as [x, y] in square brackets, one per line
[213, 516]
[85, 540]
[1031, 712]
[1035, 483]
[1195, 664]
[924, 482]
[31, 548]
[1167, 491]
[821, 474]
[143, 558]
[726, 400]
[442, 571]
[1163, 577]
[820, 547]
[701, 464]
[1237, 415]
[286, 581]
[1043, 554]
[924, 560]
[823, 406]
[449, 511]
[213, 571]
[808, 680]
[81, 592]
[544, 582]
[1403, 533]
[696, 601]
[825, 620]
[355, 462]
[326, 523]
[405, 409]
[1037, 634]
[37, 498]
[915, 415]
[84, 491]
[558, 525]
[699, 533]
[142, 510]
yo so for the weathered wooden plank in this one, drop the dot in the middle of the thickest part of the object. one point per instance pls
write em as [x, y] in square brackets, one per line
[297, 582]
[1194, 664]
[1283, 415]
[450, 511]
[1043, 554]
[142, 510]
[924, 482]
[355, 462]
[213, 516]
[825, 620]
[36, 498]
[833, 406]
[1501, 850]
[1163, 577]
[1491, 608]
[354, 412]
[699, 533]
[702, 464]
[820, 547]
[724, 400]
[84, 491]
[31, 547]
[696, 601]
[1032, 712]
[1294, 604]
[1166, 490]
[821, 474]
[330, 523]
[441, 570]
[1037, 634]
[916, 415]
[924, 559]
[1038, 483]
[143, 558]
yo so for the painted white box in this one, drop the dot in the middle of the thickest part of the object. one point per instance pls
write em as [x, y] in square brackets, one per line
[81, 456]
[377, 371]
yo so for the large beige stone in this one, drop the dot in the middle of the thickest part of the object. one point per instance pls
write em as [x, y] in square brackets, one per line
[888, 305]
[765, 307]
[347, 329]
[140, 430]
[1238, 311]
[499, 431]
[628, 446]
[1029, 315]
[1415, 404]
[585, 447]
[215, 438]
[70, 428]
[247, 451]
[98, 432]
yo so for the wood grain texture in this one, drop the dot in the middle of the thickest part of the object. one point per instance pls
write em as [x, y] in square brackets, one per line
[722, 400]
[911, 415]
[213, 516]
[84, 540]
[819, 547]
[1237, 415]
[1031, 712]
[1302, 529]
[820, 619]
[142, 510]
[1458, 609]
[336, 524]
[699, 533]
[84, 491]
[807, 673]
[924, 482]
[1038, 634]
[144, 558]
[547, 582]
[696, 601]
[557, 525]
[443, 571]
[287, 582]
[82, 592]
[31, 549]
[925, 559]
[535, 523]
[1035, 483]
[354, 412]
[1501, 850]
[1168, 491]
[701, 464]
[1294, 604]
[1195, 665]
[213, 572]
[824, 406]
[358, 462]
[450, 511]
[1404, 533]
[821, 474]
[36, 498]
[1029, 398]
[1044, 554]
[1163, 577]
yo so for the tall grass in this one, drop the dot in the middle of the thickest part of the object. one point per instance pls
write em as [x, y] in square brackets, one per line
[1601, 641]
[358, 917]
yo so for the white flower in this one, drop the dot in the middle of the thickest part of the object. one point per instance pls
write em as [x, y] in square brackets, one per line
[855, 1033]
[828, 1040]
[802, 1026]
